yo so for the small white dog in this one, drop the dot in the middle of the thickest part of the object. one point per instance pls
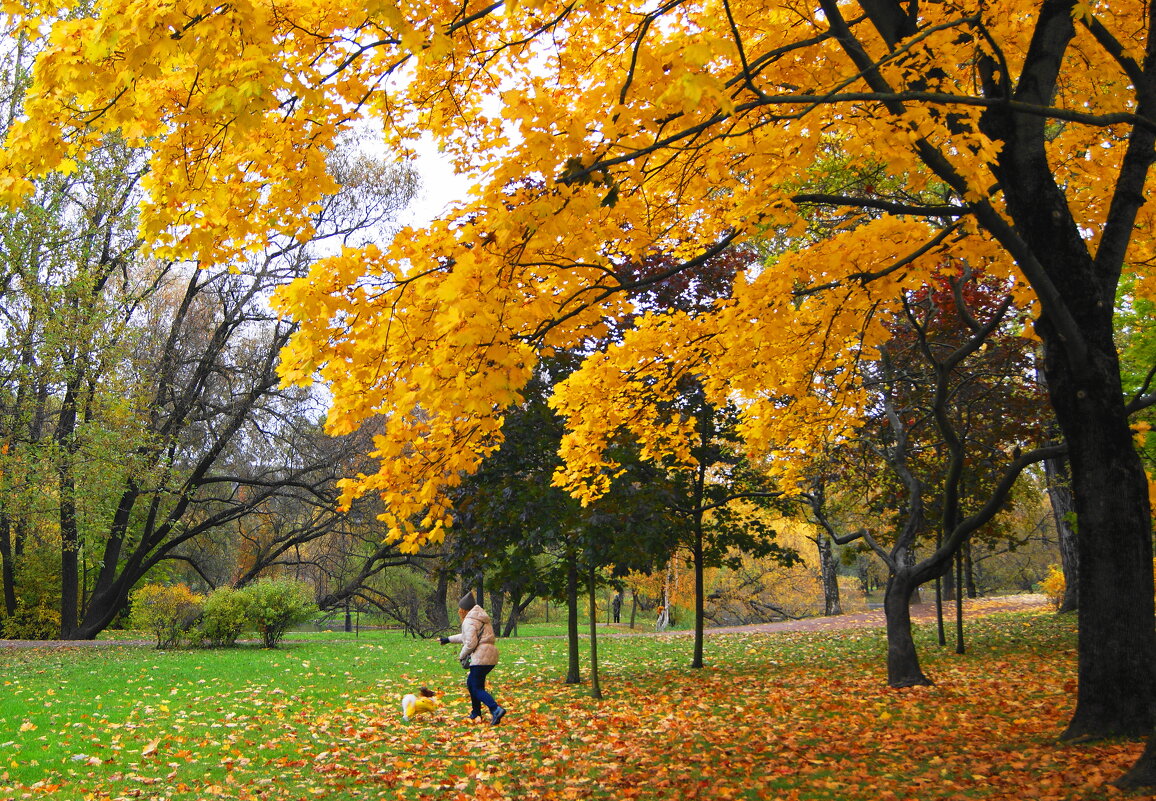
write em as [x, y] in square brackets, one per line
[413, 705]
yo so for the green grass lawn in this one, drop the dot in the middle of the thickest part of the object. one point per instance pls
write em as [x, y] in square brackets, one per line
[791, 716]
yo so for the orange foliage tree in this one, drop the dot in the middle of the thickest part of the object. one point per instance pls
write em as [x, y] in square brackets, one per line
[600, 132]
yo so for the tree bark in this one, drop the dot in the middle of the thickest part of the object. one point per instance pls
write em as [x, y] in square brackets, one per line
[497, 605]
[69, 532]
[7, 565]
[829, 575]
[902, 659]
[967, 578]
[595, 686]
[1059, 484]
[699, 600]
[1117, 634]
[573, 674]
[1143, 773]
[436, 606]
[949, 585]
[518, 606]
[959, 643]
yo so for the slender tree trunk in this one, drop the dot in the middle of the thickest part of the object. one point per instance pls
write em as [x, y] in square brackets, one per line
[940, 632]
[69, 532]
[699, 592]
[1059, 485]
[663, 620]
[497, 605]
[7, 565]
[518, 606]
[436, 606]
[512, 622]
[949, 585]
[902, 659]
[959, 645]
[939, 595]
[829, 575]
[595, 686]
[967, 577]
[573, 674]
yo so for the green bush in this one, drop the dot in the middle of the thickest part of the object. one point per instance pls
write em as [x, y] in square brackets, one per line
[171, 612]
[226, 616]
[277, 605]
[31, 623]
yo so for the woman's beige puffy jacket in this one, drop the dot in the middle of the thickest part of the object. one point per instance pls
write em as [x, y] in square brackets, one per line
[477, 638]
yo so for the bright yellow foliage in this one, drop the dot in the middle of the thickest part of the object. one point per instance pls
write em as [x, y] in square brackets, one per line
[598, 133]
[1054, 585]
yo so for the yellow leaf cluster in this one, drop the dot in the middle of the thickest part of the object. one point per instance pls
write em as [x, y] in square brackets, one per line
[600, 134]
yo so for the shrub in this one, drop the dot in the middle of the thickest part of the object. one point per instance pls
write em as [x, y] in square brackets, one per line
[1053, 586]
[169, 612]
[32, 623]
[226, 616]
[277, 605]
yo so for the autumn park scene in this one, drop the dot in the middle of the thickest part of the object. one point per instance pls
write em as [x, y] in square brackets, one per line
[577, 399]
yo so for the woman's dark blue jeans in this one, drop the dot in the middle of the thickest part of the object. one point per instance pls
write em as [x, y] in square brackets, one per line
[476, 684]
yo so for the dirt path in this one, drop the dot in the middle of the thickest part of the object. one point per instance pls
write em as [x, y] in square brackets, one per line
[921, 613]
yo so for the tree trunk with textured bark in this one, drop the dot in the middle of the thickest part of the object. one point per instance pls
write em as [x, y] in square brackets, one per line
[1059, 483]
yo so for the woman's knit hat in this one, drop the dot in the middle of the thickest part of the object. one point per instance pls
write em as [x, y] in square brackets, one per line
[467, 602]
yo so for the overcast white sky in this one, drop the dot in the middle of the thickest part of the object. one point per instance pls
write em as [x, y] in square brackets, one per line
[439, 185]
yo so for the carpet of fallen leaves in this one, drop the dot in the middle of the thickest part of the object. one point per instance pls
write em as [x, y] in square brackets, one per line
[775, 716]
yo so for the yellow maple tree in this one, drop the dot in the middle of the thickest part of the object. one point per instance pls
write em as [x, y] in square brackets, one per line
[600, 132]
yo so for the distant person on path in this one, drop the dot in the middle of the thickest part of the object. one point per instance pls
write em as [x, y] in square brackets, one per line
[616, 605]
[479, 655]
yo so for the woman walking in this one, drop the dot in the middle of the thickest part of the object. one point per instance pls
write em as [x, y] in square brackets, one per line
[479, 655]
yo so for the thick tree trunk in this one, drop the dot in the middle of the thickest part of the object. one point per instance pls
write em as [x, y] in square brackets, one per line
[902, 659]
[1117, 635]
[1059, 484]
[829, 576]
[1143, 773]
[573, 674]
[102, 609]
[1116, 616]
[909, 565]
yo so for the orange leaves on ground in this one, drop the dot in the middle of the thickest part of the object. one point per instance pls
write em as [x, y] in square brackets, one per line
[779, 716]
[751, 731]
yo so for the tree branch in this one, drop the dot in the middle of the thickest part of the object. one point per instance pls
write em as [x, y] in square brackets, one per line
[891, 207]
